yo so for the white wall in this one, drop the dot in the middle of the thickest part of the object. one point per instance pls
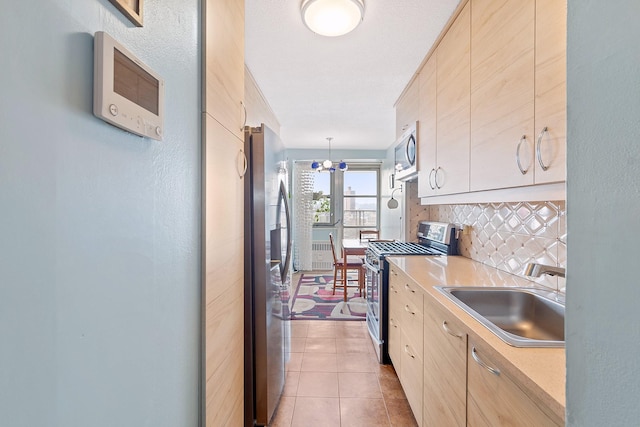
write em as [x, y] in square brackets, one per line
[603, 202]
[99, 229]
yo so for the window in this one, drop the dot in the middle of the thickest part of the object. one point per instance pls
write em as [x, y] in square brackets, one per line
[322, 200]
[360, 200]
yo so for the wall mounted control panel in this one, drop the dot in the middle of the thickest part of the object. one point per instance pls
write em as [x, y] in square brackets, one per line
[126, 92]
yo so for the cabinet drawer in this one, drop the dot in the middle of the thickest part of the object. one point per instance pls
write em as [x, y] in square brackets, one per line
[412, 321]
[494, 399]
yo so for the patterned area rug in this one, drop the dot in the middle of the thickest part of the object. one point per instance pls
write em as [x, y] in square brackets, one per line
[314, 300]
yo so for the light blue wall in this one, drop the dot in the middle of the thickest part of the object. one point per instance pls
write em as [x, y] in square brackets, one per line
[99, 229]
[603, 202]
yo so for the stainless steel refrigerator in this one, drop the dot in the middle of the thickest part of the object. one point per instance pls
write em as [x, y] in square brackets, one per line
[267, 274]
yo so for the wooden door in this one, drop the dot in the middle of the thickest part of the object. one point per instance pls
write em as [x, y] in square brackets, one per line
[408, 108]
[427, 130]
[223, 271]
[454, 104]
[224, 63]
[551, 88]
[445, 368]
[502, 93]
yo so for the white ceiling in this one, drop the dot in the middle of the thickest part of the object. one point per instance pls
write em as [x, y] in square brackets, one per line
[344, 87]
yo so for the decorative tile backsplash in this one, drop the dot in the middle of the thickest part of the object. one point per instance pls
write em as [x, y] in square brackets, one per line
[510, 235]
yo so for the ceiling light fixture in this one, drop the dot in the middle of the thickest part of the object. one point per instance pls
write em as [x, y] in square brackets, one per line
[328, 164]
[332, 17]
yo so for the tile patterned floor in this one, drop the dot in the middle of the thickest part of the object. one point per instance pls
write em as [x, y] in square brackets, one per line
[333, 379]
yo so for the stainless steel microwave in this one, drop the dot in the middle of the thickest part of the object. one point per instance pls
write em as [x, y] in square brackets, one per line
[406, 154]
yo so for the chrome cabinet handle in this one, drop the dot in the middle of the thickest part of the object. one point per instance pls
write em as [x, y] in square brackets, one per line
[522, 171]
[433, 187]
[449, 331]
[436, 180]
[245, 164]
[538, 150]
[244, 107]
[392, 322]
[474, 354]
[406, 286]
[408, 310]
[406, 350]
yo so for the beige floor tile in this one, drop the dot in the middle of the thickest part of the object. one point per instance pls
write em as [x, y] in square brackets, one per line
[357, 362]
[299, 328]
[359, 384]
[291, 383]
[320, 345]
[284, 412]
[400, 413]
[351, 332]
[391, 388]
[294, 363]
[318, 384]
[298, 344]
[354, 345]
[319, 362]
[324, 329]
[356, 412]
[316, 412]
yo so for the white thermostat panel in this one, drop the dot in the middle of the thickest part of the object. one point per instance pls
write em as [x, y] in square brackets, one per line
[126, 92]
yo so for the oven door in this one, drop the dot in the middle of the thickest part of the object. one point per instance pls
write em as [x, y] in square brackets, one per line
[373, 288]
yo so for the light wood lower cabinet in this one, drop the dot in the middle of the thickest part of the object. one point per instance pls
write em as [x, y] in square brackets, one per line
[406, 337]
[445, 368]
[444, 383]
[493, 399]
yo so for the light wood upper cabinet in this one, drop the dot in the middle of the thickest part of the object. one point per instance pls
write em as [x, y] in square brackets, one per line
[453, 107]
[427, 132]
[224, 63]
[550, 83]
[502, 93]
[223, 293]
[445, 368]
[408, 108]
[493, 399]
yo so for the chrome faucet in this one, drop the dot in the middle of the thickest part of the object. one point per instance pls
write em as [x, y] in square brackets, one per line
[536, 270]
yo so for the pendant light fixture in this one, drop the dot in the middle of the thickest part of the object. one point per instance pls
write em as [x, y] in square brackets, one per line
[332, 17]
[329, 164]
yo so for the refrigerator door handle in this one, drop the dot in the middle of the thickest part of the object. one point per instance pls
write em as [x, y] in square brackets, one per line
[287, 259]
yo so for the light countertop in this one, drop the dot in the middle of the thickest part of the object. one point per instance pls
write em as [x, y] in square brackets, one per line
[541, 370]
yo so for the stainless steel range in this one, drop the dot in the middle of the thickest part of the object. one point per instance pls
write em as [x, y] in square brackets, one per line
[436, 238]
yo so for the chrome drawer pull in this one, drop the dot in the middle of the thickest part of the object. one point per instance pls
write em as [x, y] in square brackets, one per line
[408, 309]
[407, 287]
[406, 350]
[475, 356]
[449, 331]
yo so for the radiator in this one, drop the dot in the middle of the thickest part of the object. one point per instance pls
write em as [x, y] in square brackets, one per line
[321, 255]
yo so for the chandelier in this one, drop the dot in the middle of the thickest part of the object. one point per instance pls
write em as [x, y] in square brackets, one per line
[328, 164]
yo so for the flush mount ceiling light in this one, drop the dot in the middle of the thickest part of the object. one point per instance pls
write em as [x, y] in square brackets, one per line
[329, 164]
[332, 17]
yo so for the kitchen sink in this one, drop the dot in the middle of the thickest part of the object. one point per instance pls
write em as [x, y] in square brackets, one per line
[522, 317]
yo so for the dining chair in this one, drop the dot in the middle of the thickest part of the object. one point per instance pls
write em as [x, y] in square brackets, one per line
[366, 235]
[340, 270]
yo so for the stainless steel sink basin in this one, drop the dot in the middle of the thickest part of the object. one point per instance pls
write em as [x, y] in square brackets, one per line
[522, 317]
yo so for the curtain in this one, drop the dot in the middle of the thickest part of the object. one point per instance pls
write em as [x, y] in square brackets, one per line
[303, 184]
